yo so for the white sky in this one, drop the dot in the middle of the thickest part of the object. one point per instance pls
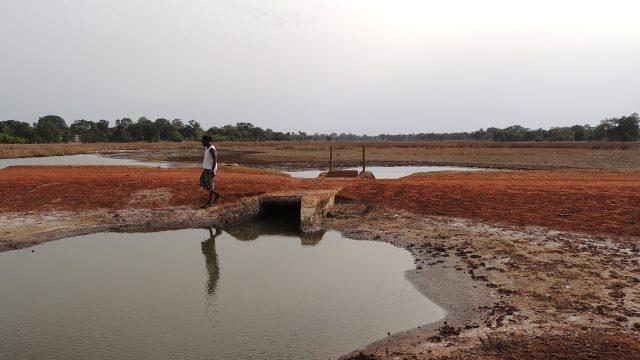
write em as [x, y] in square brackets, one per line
[363, 66]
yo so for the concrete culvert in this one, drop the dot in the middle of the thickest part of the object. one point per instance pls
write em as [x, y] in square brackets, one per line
[281, 210]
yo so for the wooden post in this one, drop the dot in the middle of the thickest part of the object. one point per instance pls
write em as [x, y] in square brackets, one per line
[363, 166]
[330, 157]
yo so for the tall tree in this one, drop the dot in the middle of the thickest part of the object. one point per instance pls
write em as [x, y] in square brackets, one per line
[52, 129]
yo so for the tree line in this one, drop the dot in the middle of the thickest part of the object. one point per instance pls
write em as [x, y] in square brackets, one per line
[54, 129]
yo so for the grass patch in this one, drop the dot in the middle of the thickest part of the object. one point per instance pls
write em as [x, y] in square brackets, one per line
[435, 173]
[497, 343]
[256, 171]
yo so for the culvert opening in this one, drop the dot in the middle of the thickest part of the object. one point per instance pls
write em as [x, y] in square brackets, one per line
[285, 212]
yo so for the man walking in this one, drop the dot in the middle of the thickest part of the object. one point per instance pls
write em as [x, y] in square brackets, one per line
[209, 170]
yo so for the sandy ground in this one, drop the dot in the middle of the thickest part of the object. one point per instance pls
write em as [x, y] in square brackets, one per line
[536, 264]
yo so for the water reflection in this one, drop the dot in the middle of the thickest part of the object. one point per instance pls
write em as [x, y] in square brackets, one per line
[211, 260]
[270, 227]
[250, 232]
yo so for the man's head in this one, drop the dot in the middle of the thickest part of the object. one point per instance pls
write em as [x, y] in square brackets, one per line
[206, 140]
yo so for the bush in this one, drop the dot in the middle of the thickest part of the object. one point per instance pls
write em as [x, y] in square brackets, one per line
[8, 139]
[496, 343]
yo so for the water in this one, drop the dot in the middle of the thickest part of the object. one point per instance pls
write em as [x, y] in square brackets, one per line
[252, 292]
[80, 159]
[387, 172]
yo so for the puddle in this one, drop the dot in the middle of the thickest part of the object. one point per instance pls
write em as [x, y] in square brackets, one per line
[257, 291]
[388, 172]
[79, 159]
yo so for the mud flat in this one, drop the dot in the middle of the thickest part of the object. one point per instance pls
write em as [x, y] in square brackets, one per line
[518, 279]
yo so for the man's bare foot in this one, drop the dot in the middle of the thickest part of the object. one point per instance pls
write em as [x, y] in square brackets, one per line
[206, 205]
[218, 196]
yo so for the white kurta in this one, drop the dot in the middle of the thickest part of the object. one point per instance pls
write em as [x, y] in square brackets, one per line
[208, 162]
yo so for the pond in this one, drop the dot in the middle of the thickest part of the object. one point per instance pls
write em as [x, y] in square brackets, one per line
[79, 159]
[257, 291]
[388, 172]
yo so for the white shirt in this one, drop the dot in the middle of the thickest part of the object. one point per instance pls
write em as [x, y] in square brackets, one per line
[208, 162]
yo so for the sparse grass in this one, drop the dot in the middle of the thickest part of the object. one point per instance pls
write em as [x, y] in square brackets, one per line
[243, 169]
[497, 343]
[435, 173]
[321, 145]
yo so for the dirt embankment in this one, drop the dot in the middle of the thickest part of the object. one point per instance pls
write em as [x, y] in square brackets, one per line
[77, 188]
[593, 202]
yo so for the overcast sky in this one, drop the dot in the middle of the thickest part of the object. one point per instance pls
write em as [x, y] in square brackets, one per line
[363, 66]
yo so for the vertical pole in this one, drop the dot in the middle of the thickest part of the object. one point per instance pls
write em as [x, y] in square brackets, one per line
[363, 166]
[330, 157]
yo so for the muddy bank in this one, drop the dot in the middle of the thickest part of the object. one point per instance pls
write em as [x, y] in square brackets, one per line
[518, 285]
[24, 229]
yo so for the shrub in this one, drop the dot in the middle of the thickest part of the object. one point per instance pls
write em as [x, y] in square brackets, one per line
[496, 343]
[8, 139]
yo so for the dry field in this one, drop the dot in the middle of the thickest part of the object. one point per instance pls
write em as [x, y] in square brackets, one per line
[9, 151]
[313, 154]
[306, 155]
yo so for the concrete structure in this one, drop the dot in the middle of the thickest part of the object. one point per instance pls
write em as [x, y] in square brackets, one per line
[313, 205]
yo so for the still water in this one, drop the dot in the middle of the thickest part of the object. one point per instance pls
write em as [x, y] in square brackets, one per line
[80, 159]
[388, 172]
[258, 291]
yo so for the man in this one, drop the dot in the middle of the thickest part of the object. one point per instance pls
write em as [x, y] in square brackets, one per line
[209, 170]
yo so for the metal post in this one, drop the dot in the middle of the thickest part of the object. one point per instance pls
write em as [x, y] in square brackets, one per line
[363, 163]
[330, 157]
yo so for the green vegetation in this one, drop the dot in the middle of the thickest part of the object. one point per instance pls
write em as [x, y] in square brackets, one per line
[53, 129]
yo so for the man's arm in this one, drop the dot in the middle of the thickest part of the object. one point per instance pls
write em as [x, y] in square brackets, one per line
[214, 155]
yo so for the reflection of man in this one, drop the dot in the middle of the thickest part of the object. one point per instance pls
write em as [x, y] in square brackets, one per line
[211, 260]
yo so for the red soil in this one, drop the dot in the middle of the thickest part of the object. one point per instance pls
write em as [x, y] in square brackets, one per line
[587, 201]
[92, 187]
